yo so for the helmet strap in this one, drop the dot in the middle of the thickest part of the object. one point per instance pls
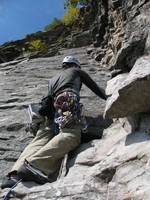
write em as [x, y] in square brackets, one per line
[69, 65]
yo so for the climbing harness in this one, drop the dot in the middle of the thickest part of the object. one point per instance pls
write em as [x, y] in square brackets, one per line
[69, 111]
[66, 101]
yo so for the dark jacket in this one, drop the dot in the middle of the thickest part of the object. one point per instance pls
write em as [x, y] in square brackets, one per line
[72, 79]
[69, 79]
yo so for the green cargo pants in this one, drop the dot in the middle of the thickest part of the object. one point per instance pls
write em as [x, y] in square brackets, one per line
[45, 151]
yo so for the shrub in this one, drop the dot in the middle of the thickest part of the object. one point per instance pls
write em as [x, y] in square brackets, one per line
[70, 16]
[37, 45]
[68, 3]
[74, 3]
[56, 22]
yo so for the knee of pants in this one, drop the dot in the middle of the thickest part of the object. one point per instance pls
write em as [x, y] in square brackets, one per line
[45, 130]
[72, 132]
[74, 129]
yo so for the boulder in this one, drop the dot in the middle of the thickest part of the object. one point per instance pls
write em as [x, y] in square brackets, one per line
[130, 95]
[114, 84]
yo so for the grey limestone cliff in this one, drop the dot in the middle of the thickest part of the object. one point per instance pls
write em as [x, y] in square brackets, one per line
[113, 46]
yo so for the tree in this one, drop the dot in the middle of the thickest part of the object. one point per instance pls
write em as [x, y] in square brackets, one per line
[37, 45]
[74, 3]
[70, 16]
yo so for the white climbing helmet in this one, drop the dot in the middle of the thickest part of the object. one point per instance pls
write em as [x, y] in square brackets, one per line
[71, 59]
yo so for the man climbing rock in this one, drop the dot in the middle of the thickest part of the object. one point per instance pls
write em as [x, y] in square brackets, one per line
[41, 159]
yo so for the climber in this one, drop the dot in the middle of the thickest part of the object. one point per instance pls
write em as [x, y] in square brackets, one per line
[41, 159]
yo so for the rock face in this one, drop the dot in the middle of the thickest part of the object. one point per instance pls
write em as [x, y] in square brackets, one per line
[113, 167]
[120, 28]
[116, 28]
[26, 81]
[113, 162]
[130, 93]
[19, 49]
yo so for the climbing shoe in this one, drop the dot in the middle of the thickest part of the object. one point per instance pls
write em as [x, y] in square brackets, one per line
[8, 182]
[28, 173]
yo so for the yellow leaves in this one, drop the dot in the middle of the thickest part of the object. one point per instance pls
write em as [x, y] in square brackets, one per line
[70, 16]
[37, 45]
[74, 2]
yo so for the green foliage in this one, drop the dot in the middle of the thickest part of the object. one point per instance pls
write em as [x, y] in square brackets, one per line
[56, 22]
[70, 16]
[69, 3]
[37, 45]
[74, 3]
[72, 11]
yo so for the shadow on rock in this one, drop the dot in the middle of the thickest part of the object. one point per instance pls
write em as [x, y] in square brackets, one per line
[137, 137]
[30, 184]
[96, 126]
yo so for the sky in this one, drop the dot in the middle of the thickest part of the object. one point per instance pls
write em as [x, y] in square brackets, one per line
[21, 17]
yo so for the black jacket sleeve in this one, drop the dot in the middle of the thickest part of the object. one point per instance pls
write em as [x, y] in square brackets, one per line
[47, 107]
[88, 81]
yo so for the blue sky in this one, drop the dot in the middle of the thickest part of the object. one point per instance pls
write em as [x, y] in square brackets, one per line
[21, 17]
